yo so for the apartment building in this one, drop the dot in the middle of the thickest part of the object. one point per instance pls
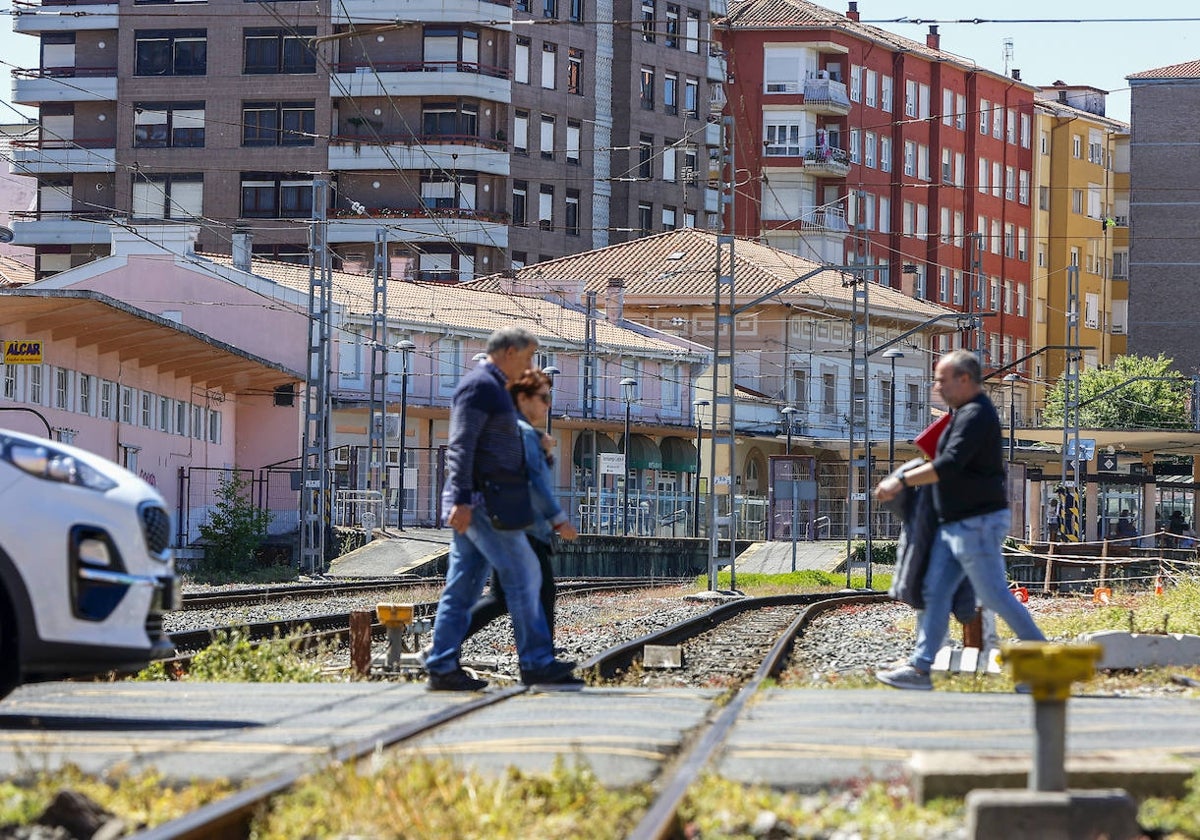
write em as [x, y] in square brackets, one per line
[1164, 208]
[467, 136]
[1081, 231]
[859, 144]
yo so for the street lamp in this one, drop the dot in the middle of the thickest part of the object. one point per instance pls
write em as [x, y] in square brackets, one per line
[698, 410]
[892, 354]
[1011, 379]
[405, 347]
[551, 371]
[479, 357]
[628, 395]
[788, 413]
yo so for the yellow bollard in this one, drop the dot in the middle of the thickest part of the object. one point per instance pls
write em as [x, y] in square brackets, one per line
[1049, 670]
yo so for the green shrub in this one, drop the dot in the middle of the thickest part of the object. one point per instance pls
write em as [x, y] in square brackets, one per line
[235, 529]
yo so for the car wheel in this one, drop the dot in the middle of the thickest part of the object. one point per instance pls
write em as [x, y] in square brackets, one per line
[10, 666]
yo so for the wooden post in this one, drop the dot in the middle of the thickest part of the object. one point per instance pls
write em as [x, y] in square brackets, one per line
[973, 631]
[1049, 570]
[1103, 563]
[360, 640]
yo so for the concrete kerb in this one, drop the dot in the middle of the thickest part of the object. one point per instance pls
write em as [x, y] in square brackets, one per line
[1051, 815]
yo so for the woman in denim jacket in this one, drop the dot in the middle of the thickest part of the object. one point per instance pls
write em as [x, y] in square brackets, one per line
[531, 394]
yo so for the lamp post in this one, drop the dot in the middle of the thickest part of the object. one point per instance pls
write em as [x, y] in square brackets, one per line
[405, 347]
[698, 410]
[788, 413]
[1011, 379]
[628, 395]
[892, 354]
[551, 371]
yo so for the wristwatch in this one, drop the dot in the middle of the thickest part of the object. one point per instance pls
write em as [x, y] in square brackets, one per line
[900, 478]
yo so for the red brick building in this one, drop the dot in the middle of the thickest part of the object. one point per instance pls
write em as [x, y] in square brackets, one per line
[851, 140]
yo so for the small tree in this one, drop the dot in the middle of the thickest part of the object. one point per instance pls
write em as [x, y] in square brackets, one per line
[1136, 392]
[235, 527]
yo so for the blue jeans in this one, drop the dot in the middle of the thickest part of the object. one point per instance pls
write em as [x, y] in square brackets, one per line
[968, 548]
[472, 556]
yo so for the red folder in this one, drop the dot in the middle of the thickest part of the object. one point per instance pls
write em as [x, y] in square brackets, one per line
[927, 441]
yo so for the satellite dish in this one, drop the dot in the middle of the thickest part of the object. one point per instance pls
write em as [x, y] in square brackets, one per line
[6, 235]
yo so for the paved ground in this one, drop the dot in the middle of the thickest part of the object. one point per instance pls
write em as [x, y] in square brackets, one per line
[776, 557]
[787, 739]
[396, 554]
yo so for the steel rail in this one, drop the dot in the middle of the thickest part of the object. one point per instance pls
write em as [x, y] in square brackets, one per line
[661, 820]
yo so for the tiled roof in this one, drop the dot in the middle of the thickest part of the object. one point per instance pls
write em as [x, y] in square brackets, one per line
[1060, 109]
[14, 272]
[438, 306]
[679, 266]
[801, 14]
[1186, 70]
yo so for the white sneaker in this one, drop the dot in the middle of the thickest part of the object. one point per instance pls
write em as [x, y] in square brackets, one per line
[906, 677]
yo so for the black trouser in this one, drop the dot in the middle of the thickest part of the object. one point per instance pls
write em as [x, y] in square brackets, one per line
[493, 605]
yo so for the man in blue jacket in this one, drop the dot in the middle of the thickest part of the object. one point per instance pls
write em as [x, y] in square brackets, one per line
[971, 501]
[485, 441]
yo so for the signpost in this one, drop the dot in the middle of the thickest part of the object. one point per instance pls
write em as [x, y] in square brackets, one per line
[1087, 449]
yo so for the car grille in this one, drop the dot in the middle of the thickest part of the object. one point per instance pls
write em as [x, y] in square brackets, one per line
[156, 528]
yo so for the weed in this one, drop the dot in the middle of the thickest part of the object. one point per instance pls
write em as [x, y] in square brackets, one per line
[232, 657]
[757, 584]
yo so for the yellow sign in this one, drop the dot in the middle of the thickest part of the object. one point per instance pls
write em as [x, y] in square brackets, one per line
[22, 352]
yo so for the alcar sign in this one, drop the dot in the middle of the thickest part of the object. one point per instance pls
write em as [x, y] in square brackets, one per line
[22, 352]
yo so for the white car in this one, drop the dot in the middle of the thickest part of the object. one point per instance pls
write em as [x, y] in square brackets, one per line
[86, 570]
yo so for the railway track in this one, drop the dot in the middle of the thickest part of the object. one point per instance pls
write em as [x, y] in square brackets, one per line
[231, 817]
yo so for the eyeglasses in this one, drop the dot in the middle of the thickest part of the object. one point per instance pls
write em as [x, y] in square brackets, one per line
[544, 396]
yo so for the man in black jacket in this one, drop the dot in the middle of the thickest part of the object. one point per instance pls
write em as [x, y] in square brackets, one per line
[971, 502]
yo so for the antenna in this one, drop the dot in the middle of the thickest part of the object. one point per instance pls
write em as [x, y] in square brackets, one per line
[1008, 54]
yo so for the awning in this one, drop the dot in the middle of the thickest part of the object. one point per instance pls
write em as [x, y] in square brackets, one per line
[582, 455]
[643, 453]
[678, 454]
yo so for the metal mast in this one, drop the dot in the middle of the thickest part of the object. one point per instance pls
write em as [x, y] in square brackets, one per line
[1071, 381]
[377, 474]
[314, 493]
[860, 396]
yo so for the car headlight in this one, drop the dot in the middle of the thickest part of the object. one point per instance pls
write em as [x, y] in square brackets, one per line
[54, 465]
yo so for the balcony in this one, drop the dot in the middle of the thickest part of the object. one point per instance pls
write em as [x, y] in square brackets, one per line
[420, 224]
[817, 234]
[36, 157]
[818, 161]
[49, 227]
[64, 84]
[497, 13]
[428, 151]
[34, 19]
[825, 96]
[422, 78]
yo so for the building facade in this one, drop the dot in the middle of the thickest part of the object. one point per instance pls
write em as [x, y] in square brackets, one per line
[861, 145]
[468, 136]
[1081, 231]
[1164, 211]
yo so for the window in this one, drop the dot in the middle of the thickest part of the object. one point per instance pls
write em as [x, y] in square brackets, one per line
[960, 112]
[214, 426]
[691, 97]
[690, 165]
[1009, 186]
[671, 36]
[278, 123]
[910, 218]
[440, 190]
[576, 10]
[855, 153]
[575, 71]
[1044, 142]
[997, 184]
[1023, 186]
[910, 158]
[1076, 146]
[1025, 131]
[164, 414]
[546, 207]
[1022, 244]
[1043, 198]
[671, 93]
[269, 51]
[168, 196]
[870, 94]
[146, 420]
[1021, 301]
[108, 402]
[1008, 296]
[829, 394]
[995, 237]
[885, 93]
[550, 9]
[885, 215]
[645, 218]
[574, 128]
[520, 195]
[910, 98]
[1011, 130]
[521, 62]
[549, 66]
[83, 403]
[855, 87]
[669, 159]
[997, 120]
[547, 137]
[983, 116]
[923, 162]
[127, 401]
[170, 52]
[947, 106]
[947, 166]
[1091, 311]
[521, 132]
[648, 21]
[450, 118]
[923, 101]
[1010, 241]
[944, 285]
[645, 157]
[181, 418]
[1076, 201]
[647, 88]
[885, 154]
[691, 32]
[869, 144]
[161, 125]
[10, 381]
[197, 422]
[571, 219]
[958, 288]
[62, 388]
[271, 195]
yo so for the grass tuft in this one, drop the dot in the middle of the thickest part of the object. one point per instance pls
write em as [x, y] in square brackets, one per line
[232, 657]
[806, 580]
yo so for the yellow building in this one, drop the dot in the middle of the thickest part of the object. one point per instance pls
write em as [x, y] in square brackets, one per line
[1080, 219]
